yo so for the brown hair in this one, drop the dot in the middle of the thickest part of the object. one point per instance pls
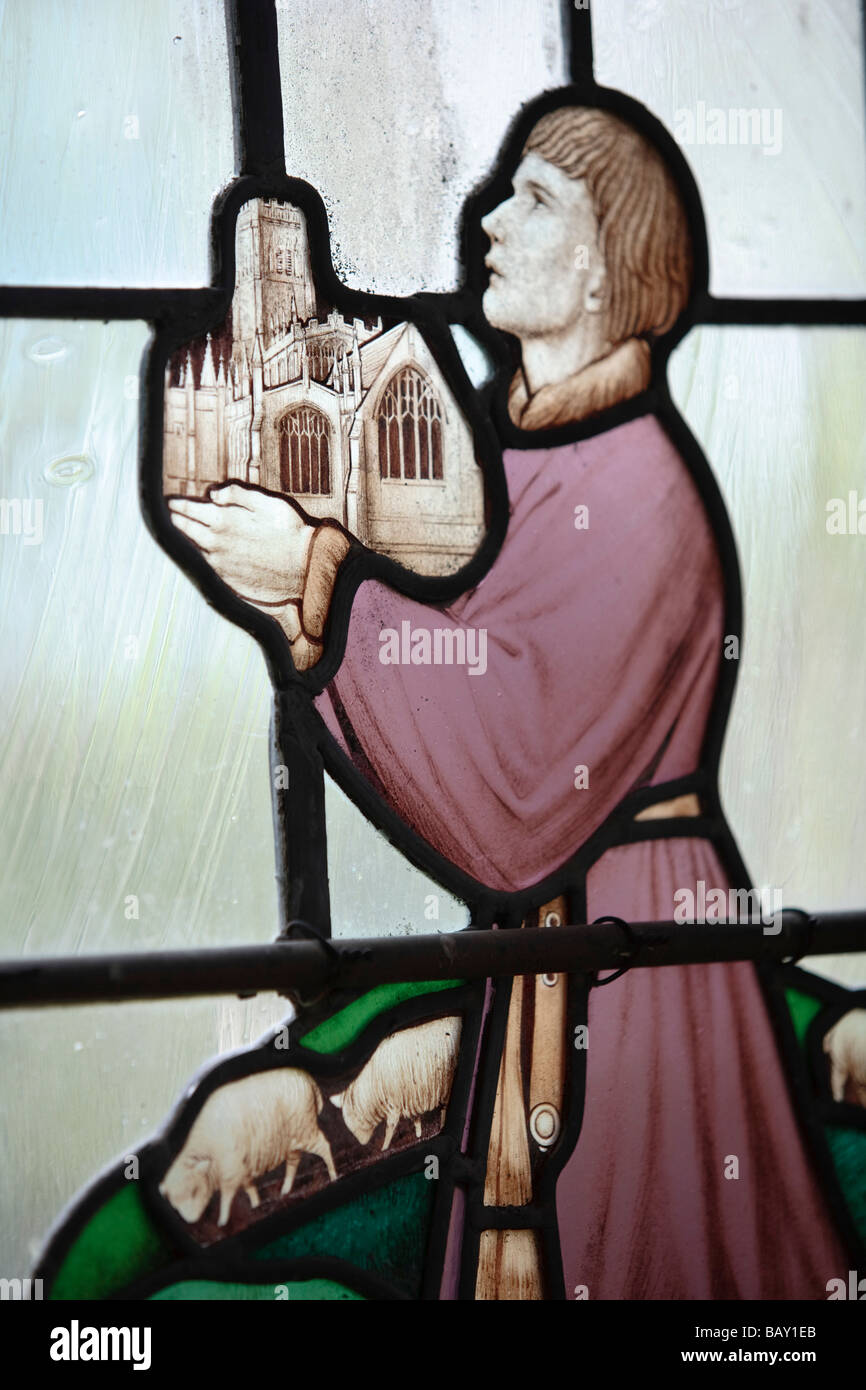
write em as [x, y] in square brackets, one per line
[643, 227]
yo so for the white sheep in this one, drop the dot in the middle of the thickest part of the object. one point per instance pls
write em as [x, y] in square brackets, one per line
[845, 1044]
[410, 1073]
[244, 1130]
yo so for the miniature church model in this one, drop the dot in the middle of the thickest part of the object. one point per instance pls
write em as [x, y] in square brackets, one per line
[353, 421]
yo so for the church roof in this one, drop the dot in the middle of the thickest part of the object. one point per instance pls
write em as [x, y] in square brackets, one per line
[376, 351]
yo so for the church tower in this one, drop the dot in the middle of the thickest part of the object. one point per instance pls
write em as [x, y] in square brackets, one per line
[274, 278]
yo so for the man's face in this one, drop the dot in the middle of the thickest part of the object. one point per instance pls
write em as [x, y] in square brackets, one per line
[545, 262]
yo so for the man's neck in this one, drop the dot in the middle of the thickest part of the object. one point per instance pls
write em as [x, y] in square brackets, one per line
[617, 376]
[554, 358]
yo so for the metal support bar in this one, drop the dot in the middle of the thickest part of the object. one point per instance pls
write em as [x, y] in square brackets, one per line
[308, 967]
[158, 304]
[152, 305]
[257, 98]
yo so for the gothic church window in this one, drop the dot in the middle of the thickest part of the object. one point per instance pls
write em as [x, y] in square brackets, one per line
[410, 428]
[305, 460]
[322, 355]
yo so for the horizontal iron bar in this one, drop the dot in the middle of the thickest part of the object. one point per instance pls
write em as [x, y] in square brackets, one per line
[154, 305]
[157, 304]
[307, 967]
[773, 313]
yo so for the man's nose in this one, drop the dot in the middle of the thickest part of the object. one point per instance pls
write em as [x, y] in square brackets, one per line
[491, 225]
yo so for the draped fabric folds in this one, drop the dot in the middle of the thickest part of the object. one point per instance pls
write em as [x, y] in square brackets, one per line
[603, 617]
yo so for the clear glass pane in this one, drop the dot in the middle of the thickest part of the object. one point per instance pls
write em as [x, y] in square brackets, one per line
[781, 416]
[766, 98]
[117, 133]
[375, 891]
[393, 170]
[136, 809]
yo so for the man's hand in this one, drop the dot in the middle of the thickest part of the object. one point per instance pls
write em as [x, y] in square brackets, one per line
[258, 544]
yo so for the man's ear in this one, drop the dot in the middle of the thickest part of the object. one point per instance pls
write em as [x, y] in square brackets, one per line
[593, 296]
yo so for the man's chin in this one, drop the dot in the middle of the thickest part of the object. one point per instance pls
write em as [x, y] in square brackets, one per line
[496, 311]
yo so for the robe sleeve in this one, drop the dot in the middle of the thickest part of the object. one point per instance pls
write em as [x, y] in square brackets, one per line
[304, 622]
[596, 641]
[328, 549]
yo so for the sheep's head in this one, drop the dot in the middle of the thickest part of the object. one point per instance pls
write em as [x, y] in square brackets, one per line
[188, 1185]
[358, 1125]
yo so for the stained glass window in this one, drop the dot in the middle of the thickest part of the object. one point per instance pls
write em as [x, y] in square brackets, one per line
[490, 424]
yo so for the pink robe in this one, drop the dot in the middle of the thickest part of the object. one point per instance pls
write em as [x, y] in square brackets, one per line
[603, 648]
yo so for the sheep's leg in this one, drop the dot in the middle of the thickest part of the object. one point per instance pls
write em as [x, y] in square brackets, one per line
[323, 1151]
[443, 1112]
[417, 1126]
[253, 1195]
[391, 1124]
[227, 1196]
[292, 1162]
[838, 1077]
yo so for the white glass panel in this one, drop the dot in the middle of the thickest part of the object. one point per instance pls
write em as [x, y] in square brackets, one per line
[375, 891]
[781, 415]
[786, 214]
[394, 112]
[116, 129]
[134, 745]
